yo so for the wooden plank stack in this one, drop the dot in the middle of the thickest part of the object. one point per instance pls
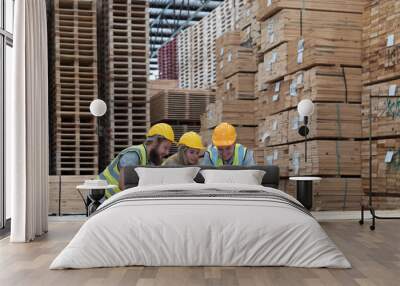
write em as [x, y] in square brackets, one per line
[181, 108]
[239, 86]
[331, 193]
[73, 85]
[381, 35]
[291, 42]
[123, 43]
[312, 50]
[381, 100]
[155, 86]
[325, 158]
[236, 112]
[329, 120]
[180, 105]
[266, 9]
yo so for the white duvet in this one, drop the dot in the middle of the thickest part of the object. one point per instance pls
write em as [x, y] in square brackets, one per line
[189, 231]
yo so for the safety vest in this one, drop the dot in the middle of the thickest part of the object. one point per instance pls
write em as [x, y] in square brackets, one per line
[238, 156]
[111, 172]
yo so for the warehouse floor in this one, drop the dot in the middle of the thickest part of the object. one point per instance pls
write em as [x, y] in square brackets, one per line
[375, 257]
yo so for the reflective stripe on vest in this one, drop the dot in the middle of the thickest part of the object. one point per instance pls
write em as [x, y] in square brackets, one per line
[238, 156]
[111, 173]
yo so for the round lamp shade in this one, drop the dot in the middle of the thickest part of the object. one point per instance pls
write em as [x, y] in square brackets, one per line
[98, 107]
[305, 107]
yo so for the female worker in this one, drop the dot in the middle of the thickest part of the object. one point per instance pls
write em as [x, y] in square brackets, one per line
[190, 147]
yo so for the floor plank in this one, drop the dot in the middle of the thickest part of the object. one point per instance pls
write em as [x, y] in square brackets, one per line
[375, 257]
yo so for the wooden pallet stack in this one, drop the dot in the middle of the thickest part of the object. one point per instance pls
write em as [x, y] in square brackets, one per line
[124, 48]
[181, 108]
[185, 58]
[73, 85]
[168, 61]
[196, 45]
[381, 100]
[312, 49]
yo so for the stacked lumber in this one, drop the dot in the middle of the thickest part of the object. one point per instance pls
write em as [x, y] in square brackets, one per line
[324, 84]
[320, 84]
[249, 26]
[155, 86]
[317, 48]
[311, 50]
[64, 198]
[337, 194]
[381, 101]
[288, 24]
[236, 112]
[73, 86]
[266, 9]
[329, 120]
[325, 158]
[262, 107]
[226, 40]
[385, 165]
[240, 86]
[275, 64]
[259, 155]
[273, 130]
[282, 27]
[180, 105]
[238, 59]
[278, 156]
[331, 193]
[381, 59]
[274, 99]
[123, 43]
[293, 40]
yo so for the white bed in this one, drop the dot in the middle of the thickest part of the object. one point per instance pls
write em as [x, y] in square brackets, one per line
[224, 225]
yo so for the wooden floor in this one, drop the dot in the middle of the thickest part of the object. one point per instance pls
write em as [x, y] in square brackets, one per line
[375, 257]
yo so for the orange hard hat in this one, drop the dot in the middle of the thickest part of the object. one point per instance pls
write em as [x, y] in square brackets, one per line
[224, 135]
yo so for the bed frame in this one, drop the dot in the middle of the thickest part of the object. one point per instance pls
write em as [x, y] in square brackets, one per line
[129, 178]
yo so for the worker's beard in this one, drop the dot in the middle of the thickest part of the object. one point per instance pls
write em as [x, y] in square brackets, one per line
[154, 157]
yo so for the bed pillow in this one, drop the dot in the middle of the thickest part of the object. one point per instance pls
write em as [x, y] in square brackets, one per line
[166, 176]
[248, 177]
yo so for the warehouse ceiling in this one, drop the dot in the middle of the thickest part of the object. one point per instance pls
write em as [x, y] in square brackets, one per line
[169, 17]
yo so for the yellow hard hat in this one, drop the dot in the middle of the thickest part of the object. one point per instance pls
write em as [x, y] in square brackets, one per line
[224, 135]
[192, 140]
[162, 129]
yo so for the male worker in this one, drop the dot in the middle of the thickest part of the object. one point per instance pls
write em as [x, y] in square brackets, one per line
[225, 150]
[156, 146]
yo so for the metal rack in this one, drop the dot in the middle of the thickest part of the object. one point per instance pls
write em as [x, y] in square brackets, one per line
[372, 194]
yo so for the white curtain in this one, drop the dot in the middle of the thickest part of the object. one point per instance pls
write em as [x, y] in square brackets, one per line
[27, 123]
